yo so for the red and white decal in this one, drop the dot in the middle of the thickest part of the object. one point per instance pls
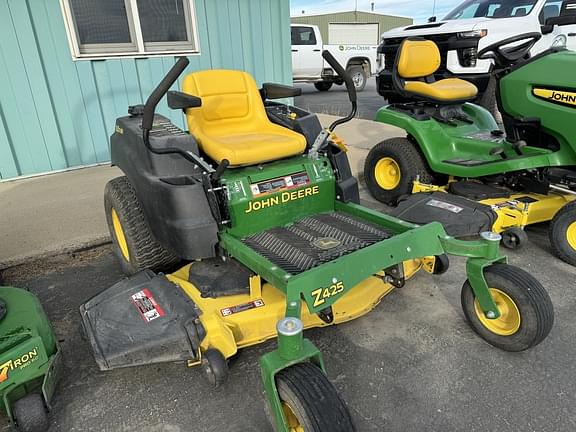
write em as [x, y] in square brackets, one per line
[242, 307]
[147, 306]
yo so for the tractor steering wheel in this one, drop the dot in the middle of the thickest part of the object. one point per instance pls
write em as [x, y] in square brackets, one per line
[504, 55]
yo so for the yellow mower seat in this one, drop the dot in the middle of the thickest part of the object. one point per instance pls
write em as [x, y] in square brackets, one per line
[416, 64]
[232, 122]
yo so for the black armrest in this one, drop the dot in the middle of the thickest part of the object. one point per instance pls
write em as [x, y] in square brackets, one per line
[279, 91]
[179, 100]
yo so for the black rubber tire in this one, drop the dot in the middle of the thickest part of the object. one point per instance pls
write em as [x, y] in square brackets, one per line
[143, 249]
[531, 299]
[411, 163]
[557, 233]
[358, 70]
[215, 367]
[323, 85]
[30, 414]
[313, 399]
[441, 264]
[514, 238]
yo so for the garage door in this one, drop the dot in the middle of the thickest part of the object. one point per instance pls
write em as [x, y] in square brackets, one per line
[345, 34]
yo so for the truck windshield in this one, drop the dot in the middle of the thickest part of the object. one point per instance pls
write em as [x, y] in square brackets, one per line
[492, 9]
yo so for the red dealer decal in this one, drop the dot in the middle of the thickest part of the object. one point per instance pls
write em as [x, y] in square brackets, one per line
[147, 306]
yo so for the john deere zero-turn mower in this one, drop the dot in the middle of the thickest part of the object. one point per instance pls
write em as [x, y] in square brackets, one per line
[29, 360]
[262, 202]
[501, 181]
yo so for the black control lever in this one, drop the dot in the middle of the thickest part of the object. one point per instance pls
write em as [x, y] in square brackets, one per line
[341, 72]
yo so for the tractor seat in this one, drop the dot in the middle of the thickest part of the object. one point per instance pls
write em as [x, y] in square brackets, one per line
[413, 75]
[232, 123]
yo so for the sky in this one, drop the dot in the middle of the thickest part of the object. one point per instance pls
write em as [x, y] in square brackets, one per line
[420, 10]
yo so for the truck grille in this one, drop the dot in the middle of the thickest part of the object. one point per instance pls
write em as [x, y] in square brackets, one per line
[315, 240]
[391, 47]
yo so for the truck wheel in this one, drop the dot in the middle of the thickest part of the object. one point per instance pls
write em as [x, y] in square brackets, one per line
[132, 240]
[30, 414]
[527, 313]
[562, 234]
[359, 77]
[323, 85]
[391, 168]
[310, 402]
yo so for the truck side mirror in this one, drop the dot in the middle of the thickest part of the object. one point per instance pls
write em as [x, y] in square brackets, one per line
[432, 19]
[179, 100]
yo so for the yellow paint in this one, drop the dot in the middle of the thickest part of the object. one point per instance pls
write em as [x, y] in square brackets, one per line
[282, 199]
[291, 420]
[338, 142]
[119, 234]
[232, 123]
[254, 326]
[571, 235]
[387, 173]
[424, 187]
[557, 96]
[509, 321]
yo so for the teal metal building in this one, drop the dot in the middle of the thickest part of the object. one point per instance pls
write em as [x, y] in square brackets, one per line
[68, 68]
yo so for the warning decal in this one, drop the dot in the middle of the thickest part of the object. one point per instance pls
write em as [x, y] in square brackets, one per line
[445, 206]
[147, 306]
[242, 307]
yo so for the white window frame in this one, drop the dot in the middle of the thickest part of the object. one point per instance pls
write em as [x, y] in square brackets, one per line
[138, 48]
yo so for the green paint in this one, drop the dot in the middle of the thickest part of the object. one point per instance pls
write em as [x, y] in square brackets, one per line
[28, 349]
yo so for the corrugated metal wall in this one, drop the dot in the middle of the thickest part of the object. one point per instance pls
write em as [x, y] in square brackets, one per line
[386, 22]
[56, 113]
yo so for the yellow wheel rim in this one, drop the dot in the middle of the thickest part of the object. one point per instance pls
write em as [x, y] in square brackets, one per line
[509, 321]
[571, 235]
[119, 234]
[291, 419]
[387, 173]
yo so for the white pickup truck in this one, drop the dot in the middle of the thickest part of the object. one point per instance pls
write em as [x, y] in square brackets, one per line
[309, 66]
[476, 24]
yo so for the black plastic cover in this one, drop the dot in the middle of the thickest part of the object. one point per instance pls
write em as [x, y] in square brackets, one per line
[141, 320]
[460, 217]
[169, 187]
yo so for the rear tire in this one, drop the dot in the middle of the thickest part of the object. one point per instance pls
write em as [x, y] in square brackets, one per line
[391, 168]
[562, 234]
[359, 77]
[527, 311]
[30, 414]
[132, 240]
[323, 86]
[311, 402]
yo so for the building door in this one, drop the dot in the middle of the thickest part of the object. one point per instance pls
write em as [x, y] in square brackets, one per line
[353, 34]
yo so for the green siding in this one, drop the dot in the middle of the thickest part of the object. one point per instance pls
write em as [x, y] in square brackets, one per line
[386, 22]
[56, 113]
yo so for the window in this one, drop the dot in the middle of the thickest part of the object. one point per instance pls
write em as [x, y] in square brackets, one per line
[303, 36]
[107, 28]
[492, 9]
[551, 10]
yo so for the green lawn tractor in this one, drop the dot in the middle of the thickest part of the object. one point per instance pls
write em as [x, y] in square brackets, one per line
[498, 181]
[261, 203]
[29, 360]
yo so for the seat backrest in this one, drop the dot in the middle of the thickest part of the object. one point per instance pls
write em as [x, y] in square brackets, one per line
[230, 99]
[418, 59]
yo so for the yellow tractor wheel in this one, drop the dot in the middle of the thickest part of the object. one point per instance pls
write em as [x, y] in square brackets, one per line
[562, 233]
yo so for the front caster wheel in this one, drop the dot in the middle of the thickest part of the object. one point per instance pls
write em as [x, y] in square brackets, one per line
[30, 414]
[310, 402]
[391, 168]
[562, 234]
[514, 238]
[215, 367]
[527, 314]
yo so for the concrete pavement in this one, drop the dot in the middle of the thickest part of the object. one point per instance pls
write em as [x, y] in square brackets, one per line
[62, 212]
